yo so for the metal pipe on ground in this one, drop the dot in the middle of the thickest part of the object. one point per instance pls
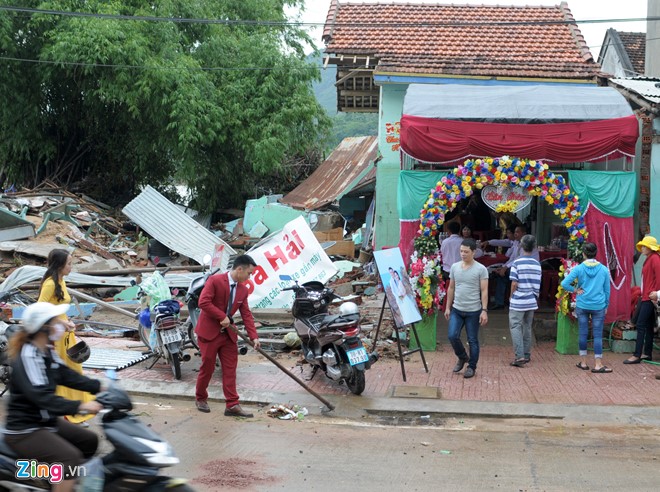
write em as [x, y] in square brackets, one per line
[107, 305]
[283, 369]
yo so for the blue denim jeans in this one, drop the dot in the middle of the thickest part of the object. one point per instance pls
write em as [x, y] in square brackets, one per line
[597, 318]
[471, 321]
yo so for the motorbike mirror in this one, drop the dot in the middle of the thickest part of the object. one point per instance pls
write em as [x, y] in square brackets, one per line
[285, 277]
[206, 260]
[133, 282]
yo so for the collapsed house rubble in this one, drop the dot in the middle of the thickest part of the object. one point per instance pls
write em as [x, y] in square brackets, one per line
[113, 249]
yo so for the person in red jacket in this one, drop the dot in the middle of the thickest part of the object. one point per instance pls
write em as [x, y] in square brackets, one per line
[646, 317]
[222, 296]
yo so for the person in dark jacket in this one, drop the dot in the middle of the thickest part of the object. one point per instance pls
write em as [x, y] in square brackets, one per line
[34, 426]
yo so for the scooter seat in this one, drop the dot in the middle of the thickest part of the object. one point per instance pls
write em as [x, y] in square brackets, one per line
[5, 450]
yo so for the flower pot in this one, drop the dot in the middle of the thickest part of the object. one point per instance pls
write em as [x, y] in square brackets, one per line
[567, 335]
[426, 331]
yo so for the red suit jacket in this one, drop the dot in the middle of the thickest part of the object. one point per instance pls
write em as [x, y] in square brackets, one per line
[213, 302]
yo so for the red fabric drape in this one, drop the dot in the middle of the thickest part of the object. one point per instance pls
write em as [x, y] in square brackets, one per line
[612, 236]
[408, 230]
[433, 140]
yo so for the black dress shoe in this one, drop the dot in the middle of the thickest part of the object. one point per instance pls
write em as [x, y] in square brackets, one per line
[469, 372]
[202, 406]
[459, 365]
[237, 411]
[635, 361]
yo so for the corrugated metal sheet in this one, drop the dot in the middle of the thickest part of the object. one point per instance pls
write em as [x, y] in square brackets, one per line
[346, 166]
[163, 220]
[648, 88]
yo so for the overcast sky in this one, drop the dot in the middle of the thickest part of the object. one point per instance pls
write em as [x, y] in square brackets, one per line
[317, 10]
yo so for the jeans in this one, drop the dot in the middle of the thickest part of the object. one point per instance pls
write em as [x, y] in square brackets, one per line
[520, 325]
[597, 319]
[645, 324]
[471, 321]
[501, 283]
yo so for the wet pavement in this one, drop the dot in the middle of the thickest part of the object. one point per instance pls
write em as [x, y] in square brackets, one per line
[548, 386]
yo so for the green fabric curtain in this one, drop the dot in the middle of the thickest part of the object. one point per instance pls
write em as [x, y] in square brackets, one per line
[612, 192]
[413, 190]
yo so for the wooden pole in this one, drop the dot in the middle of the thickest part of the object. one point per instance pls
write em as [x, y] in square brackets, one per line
[283, 369]
[89, 298]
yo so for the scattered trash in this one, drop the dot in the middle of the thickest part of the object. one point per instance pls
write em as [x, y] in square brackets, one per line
[287, 412]
[424, 443]
[444, 451]
[425, 417]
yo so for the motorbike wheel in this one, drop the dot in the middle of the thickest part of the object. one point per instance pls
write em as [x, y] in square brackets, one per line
[144, 332]
[175, 364]
[192, 336]
[356, 382]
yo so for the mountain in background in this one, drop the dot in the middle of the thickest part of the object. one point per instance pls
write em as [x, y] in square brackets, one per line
[344, 124]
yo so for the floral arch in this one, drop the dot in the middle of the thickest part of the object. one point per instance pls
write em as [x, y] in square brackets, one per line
[533, 176]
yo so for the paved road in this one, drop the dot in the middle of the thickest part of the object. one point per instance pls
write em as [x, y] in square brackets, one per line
[329, 453]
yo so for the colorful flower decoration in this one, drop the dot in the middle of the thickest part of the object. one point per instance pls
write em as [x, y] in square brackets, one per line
[508, 206]
[534, 176]
[426, 275]
[565, 300]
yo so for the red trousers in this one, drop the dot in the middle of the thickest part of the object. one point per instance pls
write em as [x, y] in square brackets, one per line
[227, 350]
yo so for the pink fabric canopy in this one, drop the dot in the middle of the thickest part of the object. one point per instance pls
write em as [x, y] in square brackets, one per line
[451, 141]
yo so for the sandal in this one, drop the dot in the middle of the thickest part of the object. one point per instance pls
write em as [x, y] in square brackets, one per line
[602, 370]
[583, 367]
[518, 363]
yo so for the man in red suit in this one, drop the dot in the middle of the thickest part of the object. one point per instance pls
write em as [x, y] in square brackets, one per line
[222, 296]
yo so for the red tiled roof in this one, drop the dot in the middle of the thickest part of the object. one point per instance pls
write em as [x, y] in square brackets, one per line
[447, 39]
[634, 43]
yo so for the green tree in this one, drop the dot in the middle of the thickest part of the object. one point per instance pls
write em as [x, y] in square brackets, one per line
[118, 103]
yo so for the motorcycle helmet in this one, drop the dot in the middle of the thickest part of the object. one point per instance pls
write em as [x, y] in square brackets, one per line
[38, 314]
[79, 353]
[348, 308]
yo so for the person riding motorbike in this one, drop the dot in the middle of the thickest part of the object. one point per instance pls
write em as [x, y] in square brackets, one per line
[35, 428]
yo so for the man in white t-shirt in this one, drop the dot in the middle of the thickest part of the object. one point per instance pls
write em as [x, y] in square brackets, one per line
[467, 298]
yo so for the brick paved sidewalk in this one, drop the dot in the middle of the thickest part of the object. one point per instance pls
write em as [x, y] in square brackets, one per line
[549, 378]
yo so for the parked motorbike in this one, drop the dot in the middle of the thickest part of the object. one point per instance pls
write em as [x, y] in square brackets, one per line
[192, 302]
[330, 342]
[159, 325]
[134, 464]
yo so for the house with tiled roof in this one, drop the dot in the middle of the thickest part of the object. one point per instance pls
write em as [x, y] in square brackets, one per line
[623, 54]
[453, 65]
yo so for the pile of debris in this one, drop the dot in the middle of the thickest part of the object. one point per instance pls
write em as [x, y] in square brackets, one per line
[112, 247]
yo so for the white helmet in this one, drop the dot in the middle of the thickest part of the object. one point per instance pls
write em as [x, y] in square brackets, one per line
[348, 308]
[38, 314]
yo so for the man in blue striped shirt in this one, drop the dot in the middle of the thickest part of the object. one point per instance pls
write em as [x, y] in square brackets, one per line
[525, 278]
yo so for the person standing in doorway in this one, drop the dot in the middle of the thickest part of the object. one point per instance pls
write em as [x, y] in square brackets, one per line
[591, 301]
[450, 248]
[650, 285]
[222, 296]
[467, 298]
[525, 278]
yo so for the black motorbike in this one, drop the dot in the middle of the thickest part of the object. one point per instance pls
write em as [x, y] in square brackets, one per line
[134, 464]
[330, 342]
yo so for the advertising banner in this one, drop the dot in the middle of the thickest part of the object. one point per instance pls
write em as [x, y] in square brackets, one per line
[294, 251]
